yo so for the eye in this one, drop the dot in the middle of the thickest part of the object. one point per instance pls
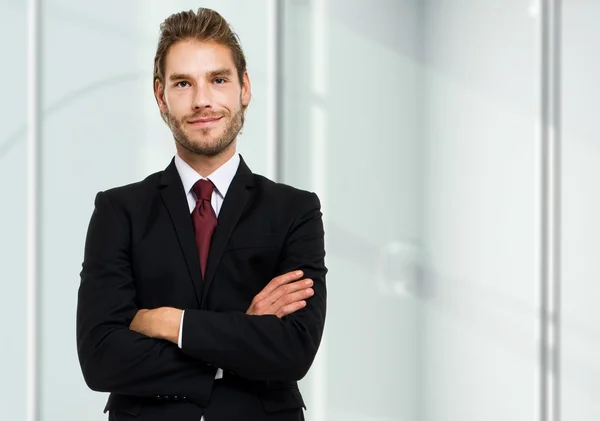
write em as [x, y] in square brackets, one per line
[220, 81]
[182, 84]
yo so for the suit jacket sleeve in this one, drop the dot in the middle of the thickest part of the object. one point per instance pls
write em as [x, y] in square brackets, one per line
[266, 347]
[112, 357]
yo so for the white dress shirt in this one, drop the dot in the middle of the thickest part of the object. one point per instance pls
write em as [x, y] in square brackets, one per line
[221, 178]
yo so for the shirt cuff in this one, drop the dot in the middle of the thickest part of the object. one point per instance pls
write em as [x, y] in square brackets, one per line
[179, 341]
[219, 374]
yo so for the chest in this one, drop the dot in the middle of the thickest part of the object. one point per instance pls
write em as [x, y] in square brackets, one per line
[165, 267]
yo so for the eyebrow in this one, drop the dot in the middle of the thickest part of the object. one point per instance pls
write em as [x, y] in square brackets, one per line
[178, 76]
[219, 73]
[212, 74]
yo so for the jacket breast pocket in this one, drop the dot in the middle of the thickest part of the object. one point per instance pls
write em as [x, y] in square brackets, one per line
[249, 241]
[287, 398]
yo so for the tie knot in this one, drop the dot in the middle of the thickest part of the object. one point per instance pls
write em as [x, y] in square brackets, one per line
[203, 189]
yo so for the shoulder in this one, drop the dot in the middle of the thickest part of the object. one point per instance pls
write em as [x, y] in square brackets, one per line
[130, 194]
[285, 194]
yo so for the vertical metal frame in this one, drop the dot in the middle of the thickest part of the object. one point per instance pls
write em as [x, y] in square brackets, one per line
[276, 157]
[274, 89]
[319, 120]
[550, 215]
[33, 205]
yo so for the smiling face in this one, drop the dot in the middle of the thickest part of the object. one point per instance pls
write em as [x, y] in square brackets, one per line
[202, 98]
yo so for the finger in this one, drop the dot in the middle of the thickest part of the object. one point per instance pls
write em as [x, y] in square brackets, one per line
[292, 298]
[290, 308]
[289, 289]
[277, 282]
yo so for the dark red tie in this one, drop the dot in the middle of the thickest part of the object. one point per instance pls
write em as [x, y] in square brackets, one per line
[204, 219]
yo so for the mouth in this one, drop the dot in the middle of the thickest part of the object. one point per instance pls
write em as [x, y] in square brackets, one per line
[205, 122]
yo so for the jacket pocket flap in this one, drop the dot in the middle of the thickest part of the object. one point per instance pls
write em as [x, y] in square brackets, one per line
[123, 404]
[280, 399]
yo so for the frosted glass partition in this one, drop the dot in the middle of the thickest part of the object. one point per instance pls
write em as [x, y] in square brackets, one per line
[352, 85]
[103, 129]
[415, 122]
[13, 222]
[480, 111]
[581, 207]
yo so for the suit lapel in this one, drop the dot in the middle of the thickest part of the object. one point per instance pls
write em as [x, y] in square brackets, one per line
[174, 198]
[238, 197]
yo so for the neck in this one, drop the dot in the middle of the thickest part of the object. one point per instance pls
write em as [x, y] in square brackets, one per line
[206, 165]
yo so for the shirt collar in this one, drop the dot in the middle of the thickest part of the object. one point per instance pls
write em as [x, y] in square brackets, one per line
[221, 177]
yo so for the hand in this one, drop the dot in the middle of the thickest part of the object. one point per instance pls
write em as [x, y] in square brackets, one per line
[159, 323]
[284, 295]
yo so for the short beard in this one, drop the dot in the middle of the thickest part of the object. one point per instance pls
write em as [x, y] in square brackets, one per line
[214, 146]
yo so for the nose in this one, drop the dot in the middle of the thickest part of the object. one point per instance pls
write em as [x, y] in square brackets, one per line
[202, 97]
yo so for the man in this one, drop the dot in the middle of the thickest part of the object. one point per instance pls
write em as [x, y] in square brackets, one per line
[202, 291]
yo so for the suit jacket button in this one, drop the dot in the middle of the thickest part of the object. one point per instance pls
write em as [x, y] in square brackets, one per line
[158, 397]
[176, 398]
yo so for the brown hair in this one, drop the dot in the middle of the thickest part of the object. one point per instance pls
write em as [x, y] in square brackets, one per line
[203, 25]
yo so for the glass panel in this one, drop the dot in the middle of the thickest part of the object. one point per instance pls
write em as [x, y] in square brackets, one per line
[352, 135]
[481, 191]
[102, 129]
[13, 213]
[415, 123]
[581, 207]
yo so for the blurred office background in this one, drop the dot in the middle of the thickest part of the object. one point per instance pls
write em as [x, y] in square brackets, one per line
[429, 114]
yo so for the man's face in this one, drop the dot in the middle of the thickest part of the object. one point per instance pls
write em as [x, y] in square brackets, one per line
[202, 97]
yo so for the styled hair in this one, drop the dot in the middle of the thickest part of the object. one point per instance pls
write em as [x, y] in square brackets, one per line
[203, 25]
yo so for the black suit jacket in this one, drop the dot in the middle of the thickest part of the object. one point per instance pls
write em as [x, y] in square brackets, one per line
[140, 252]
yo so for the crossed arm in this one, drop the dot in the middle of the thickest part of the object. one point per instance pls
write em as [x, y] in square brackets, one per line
[282, 296]
[120, 347]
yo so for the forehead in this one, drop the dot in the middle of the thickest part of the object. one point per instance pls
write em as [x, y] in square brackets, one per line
[197, 57]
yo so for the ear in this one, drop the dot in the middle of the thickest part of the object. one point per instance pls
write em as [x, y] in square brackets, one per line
[159, 94]
[246, 90]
